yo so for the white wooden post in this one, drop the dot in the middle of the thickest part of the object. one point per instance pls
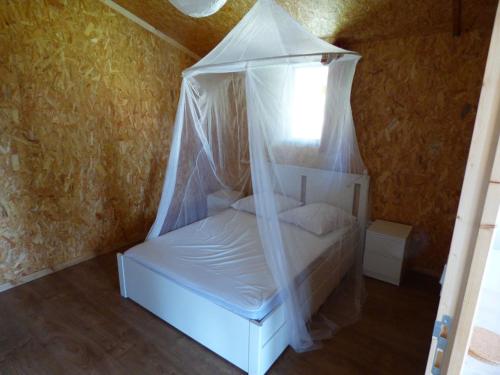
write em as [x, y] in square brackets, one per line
[255, 349]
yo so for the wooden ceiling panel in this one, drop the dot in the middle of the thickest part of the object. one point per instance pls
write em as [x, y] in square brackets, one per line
[341, 20]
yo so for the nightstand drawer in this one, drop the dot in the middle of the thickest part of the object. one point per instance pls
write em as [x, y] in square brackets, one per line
[385, 250]
[383, 268]
[384, 246]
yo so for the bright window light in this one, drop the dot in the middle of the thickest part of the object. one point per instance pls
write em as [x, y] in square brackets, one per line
[308, 104]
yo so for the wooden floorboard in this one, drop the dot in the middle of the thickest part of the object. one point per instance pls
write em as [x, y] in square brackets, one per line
[75, 322]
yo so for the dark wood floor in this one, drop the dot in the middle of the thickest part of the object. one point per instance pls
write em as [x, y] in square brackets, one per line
[75, 322]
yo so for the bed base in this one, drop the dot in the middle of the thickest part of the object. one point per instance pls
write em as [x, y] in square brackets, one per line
[251, 345]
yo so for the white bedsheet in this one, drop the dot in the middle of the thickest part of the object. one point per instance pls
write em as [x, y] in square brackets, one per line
[221, 258]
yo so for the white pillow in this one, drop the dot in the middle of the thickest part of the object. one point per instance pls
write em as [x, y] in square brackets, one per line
[283, 203]
[318, 218]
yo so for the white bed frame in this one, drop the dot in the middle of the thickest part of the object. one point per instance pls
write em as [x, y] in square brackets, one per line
[251, 345]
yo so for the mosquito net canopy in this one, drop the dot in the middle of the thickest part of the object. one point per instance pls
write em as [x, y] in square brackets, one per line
[264, 123]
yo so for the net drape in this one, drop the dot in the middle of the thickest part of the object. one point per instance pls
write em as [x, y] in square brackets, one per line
[231, 134]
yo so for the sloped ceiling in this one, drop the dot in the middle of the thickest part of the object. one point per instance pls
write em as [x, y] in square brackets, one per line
[344, 21]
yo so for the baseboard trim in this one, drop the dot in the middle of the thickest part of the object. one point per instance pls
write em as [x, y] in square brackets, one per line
[50, 270]
[44, 272]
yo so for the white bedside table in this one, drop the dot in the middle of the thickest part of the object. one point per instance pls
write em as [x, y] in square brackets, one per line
[385, 250]
[221, 200]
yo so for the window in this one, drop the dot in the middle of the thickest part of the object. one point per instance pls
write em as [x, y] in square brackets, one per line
[308, 104]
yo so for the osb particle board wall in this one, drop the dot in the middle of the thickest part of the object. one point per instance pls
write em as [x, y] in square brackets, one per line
[414, 103]
[86, 105]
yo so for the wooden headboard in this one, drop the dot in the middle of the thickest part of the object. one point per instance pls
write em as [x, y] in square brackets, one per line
[310, 185]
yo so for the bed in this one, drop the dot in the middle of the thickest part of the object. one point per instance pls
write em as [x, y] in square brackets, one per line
[210, 279]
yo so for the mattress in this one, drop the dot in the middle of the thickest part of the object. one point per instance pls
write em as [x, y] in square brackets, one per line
[221, 258]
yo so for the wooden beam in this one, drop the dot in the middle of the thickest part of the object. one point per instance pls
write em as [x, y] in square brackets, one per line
[124, 12]
[476, 213]
[488, 117]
